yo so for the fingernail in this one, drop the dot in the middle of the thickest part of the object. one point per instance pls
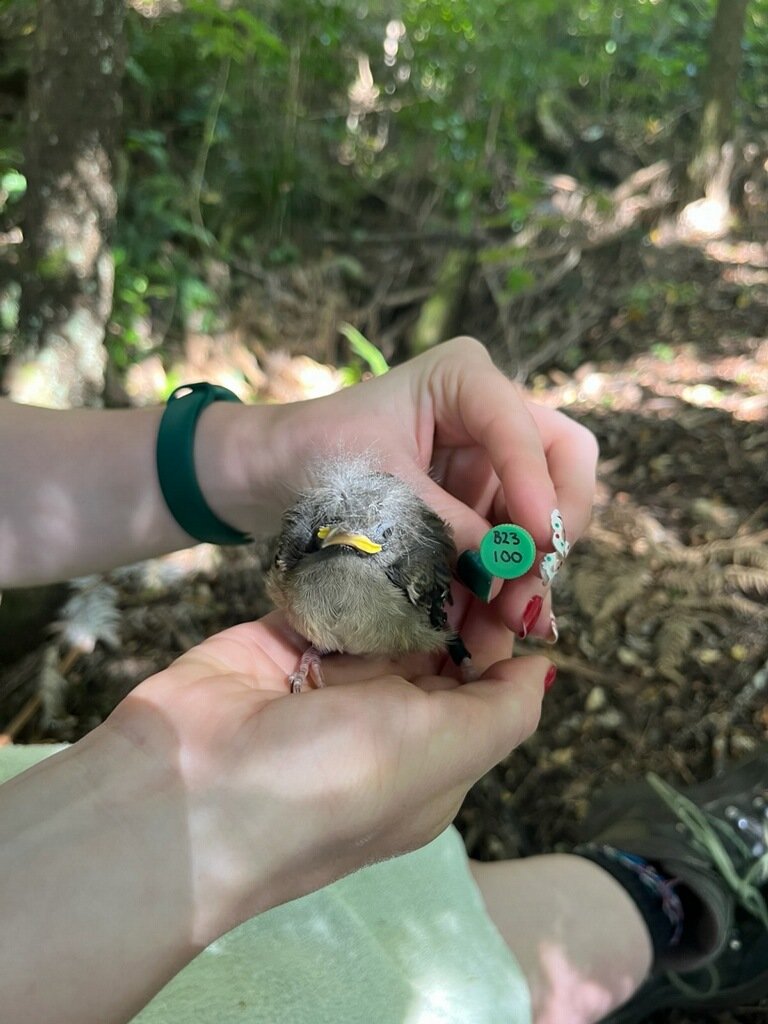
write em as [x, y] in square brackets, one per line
[554, 632]
[552, 563]
[549, 678]
[531, 615]
[473, 574]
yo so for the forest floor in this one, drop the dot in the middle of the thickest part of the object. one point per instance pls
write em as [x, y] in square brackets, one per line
[663, 651]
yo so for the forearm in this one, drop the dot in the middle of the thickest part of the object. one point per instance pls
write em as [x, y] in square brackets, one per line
[96, 885]
[79, 491]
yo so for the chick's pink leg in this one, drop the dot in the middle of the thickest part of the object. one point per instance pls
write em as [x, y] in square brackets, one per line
[308, 667]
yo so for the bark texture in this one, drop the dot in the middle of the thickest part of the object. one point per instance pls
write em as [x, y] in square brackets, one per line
[718, 96]
[67, 269]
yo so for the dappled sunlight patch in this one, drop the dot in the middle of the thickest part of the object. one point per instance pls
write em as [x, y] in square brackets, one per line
[254, 373]
[683, 374]
[746, 276]
[155, 8]
[571, 994]
[742, 252]
[294, 378]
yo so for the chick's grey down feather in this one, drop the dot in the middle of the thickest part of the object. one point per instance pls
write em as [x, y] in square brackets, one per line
[342, 599]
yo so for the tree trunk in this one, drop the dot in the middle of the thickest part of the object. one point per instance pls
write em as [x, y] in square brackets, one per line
[67, 271]
[438, 317]
[718, 96]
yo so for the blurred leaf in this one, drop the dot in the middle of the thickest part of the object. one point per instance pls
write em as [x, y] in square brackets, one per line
[365, 350]
[518, 279]
[14, 184]
[663, 351]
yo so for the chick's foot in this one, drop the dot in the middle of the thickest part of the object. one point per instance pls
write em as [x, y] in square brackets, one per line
[308, 668]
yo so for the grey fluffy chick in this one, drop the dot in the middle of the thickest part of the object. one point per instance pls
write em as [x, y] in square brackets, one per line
[363, 566]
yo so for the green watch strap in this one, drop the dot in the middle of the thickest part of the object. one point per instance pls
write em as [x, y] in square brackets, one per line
[176, 464]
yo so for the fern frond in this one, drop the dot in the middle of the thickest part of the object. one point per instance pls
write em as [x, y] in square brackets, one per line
[680, 556]
[643, 617]
[720, 551]
[755, 556]
[605, 635]
[727, 603]
[590, 587]
[623, 593]
[747, 578]
[704, 579]
[673, 641]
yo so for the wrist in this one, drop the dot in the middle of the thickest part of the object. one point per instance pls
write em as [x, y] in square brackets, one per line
[137, 805]
[225, 856]
[236, 464]
[248, 841]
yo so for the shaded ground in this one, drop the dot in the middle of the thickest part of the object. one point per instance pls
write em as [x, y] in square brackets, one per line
[663, 653]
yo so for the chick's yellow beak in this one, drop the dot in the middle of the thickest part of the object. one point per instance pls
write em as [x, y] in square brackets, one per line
[329, 535]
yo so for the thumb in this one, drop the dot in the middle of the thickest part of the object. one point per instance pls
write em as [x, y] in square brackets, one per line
[469, 527]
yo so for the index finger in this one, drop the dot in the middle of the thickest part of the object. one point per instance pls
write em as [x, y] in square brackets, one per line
[475, 404]
[571, 452]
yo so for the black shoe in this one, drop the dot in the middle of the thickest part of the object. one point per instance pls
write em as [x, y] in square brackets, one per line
[712, 839]
[736, 978]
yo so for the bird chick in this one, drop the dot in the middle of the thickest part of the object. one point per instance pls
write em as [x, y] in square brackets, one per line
[363, 566]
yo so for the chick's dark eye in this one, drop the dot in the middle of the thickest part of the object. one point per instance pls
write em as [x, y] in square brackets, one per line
[386, 534]
[313, 544]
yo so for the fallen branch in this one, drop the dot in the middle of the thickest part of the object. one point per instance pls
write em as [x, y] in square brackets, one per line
[583, 670]
[456, 239]
[17, 723]
[571, 337]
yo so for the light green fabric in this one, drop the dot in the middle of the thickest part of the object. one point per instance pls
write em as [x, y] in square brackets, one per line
[403, 942]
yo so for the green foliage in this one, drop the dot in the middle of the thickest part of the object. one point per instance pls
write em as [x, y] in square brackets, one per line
[55, 265]
[661, 350]
[252, 128]
[231, 33]
[9, 307]
[650, 294]
[365, 350]
[13, 185]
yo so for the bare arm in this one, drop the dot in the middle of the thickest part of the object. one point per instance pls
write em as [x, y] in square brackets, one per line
[175, 820]
[79, 490]
[95, 883]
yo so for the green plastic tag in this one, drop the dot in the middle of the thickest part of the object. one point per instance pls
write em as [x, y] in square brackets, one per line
[508, 551]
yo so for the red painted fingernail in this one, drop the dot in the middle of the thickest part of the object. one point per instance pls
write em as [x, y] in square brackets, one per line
[549, 678]
[531, 616]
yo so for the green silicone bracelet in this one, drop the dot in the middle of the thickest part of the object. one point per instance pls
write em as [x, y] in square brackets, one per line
[176, 464]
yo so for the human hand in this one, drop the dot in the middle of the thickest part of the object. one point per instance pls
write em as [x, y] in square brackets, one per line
[470, 442]
[283, 795]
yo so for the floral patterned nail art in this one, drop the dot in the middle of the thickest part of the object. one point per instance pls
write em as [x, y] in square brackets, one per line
[551, 562]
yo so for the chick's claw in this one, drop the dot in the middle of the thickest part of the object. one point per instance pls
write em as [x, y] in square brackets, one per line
[308, 668]
[469, 674]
